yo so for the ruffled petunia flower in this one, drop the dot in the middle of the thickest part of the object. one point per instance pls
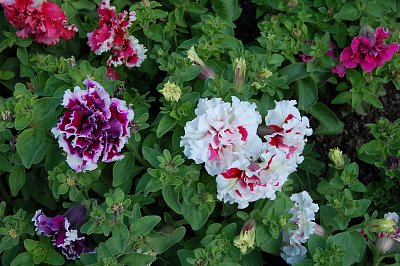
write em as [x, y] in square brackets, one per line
[69, 240]
[369, 50]
[303, 218]
[288, 129]
[94, 127]
[44, 22]
[222, 133]
[112, 35]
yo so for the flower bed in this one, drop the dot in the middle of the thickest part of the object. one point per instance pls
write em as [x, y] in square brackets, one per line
[207, 132]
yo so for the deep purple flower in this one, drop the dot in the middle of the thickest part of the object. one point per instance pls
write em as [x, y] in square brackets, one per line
[46, 225]
[94, 127]
[369, 51]
[76, 216]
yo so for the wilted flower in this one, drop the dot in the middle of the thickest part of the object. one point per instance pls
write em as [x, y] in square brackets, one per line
[384, 225]
[70, 241]
[222, 133]
[171, 91]
[94, 128]
[336, 156]
[206, 71]
[44, 21]
[303, 217]
[369, 50]
[246, 239]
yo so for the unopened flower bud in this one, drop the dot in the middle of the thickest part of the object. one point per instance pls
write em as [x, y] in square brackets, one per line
[264, 73]
[384, 244]
[336, 157]
[247, 236]
[171, 91]
[239, 66]
[384, 225]
[319, 230]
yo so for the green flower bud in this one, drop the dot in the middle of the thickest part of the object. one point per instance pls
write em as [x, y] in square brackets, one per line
[247, 236]
[171, 91]
[384, 225]
[336, 157]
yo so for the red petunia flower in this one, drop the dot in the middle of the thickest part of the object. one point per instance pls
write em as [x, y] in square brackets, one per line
[44, 22]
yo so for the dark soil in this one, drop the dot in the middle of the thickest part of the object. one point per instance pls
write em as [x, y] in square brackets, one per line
[246, 25]
[355, 133]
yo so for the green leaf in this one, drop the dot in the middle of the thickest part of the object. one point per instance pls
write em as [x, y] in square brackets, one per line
[315, 241]
[53, 258]
[6, 74]
[266, 241]
[5, 164]
[191, 72]
[137, 259]
[372, 99]
[120, 236]
[226, 9]
[171, 197]
[330, 124]
[307, 92]
[294, 72]
[32, 146]
[122, 169]
[144, 225]
[348, 11]
[342, 97]
[160, 242]
[154, 32]
[16, 179]
[22, 55]
[150, 155]
[30, 244]
[166, 124]
[23, 259]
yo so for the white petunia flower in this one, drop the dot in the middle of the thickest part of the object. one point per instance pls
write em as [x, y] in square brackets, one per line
[222, 133]
[290, 129]
[303, 216]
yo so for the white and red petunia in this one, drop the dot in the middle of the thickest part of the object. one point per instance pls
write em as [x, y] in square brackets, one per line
[290, 129]
[222, 133]
[44, 22]
[130, 53]
[94, 128]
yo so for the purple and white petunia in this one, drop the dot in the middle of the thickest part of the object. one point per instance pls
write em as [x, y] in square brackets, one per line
[67, 238]
[94, 128]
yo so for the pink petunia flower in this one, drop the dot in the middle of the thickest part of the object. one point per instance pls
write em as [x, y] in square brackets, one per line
[94, 128]
[44, 22]
[370, 51]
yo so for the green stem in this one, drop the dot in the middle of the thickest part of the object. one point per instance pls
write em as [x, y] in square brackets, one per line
[377, 259]
[138, 158]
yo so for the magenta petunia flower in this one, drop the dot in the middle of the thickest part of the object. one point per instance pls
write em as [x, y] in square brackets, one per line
[45, 22]
[94, 128]
[370, 51]
[340, 70]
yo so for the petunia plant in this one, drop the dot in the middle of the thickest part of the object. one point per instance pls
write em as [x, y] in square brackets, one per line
[207, 132]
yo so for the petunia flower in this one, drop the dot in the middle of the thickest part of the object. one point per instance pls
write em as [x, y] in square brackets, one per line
[369, 51]
[69, 240]
[44, 22]
[222, 133]
[113, 35]
[94, 127]
[290, 129]
[303, 218]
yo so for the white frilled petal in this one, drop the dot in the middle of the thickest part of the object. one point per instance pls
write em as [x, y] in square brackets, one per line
[303, 216]
[222, 133]
[392, 216]
[290, 129]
